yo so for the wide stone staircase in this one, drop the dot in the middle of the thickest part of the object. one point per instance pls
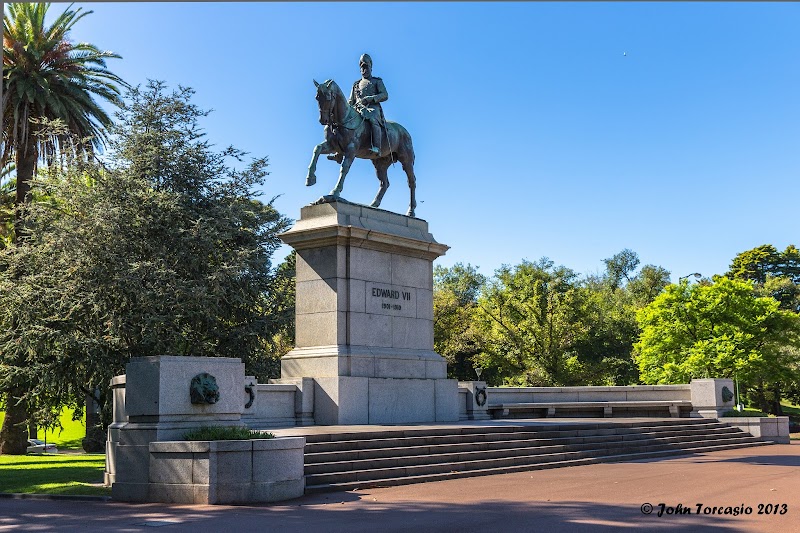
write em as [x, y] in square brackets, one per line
[345, 461]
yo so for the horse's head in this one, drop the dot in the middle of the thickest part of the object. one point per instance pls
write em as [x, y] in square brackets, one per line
[327, 95]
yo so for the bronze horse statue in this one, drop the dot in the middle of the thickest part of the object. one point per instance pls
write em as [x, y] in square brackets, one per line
[347, 136]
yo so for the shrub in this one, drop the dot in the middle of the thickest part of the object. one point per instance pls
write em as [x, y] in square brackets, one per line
[226, 433]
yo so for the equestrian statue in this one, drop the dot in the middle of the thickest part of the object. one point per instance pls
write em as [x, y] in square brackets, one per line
[356, 127]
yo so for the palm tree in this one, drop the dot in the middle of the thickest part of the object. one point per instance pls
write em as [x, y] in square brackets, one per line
[47, 77]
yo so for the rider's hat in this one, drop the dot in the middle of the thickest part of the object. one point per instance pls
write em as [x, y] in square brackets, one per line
[365, 59]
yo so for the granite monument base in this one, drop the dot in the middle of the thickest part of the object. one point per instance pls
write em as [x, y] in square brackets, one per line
[364, 329]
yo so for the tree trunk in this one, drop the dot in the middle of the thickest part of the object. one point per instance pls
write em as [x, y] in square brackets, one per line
[95, 440]
[776, 410]
[13, 439]
[26, 165]
[33, 430]
[760, 397]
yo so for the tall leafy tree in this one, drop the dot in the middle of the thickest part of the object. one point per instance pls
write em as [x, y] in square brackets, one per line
[48, 76]
[606, 350]
[621, 266]
[455, 304]
[719, 329]
[165, 250]
[775, 273]
[531, 316]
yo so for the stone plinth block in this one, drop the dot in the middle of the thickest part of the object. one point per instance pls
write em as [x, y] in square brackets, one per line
[476, 400]
[155, 398]
[359, 400]
[711, 397]
[160, 387]
[220, 472]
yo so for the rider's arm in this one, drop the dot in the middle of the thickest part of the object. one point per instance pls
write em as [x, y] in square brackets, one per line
[352, 99]
[382, 95]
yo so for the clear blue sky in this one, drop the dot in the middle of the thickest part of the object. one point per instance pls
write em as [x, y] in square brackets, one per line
[567, 130]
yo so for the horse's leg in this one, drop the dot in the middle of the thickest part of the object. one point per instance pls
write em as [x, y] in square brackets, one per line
[381, 169]
[321, 148]
[349, 156]
[408, 167]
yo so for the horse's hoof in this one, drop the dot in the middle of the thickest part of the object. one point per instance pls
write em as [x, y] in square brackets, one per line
[410, 213]
[375, 204]
[311, 180]
[334, 193]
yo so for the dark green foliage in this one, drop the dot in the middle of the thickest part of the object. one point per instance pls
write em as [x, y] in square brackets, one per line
[541, 324]
[620, 267]
[46, 77]
[531, 316]
[744, 413]
[164, 250]
[226, 433]
[775, 273]
[279, 307]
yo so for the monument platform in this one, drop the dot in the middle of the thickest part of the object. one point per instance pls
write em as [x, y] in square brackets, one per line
[355, 457]
[364, 317]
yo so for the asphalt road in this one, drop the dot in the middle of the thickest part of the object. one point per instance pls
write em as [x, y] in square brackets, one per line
[602, 497]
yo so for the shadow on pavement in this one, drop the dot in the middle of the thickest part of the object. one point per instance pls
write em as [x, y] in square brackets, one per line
[353, 512]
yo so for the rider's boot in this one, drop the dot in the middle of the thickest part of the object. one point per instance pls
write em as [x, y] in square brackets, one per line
[376, 138]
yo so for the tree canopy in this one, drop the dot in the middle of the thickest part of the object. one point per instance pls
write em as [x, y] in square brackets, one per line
[775, 273]
[48, 76]
[163, 249]
[719, 329]
[456, 337]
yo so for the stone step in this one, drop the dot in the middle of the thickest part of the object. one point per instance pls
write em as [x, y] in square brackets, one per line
[362, 450]
[394, 439]
[409, 461]
[531, 457]
[362, 459]
[315, 484]
[463, 431]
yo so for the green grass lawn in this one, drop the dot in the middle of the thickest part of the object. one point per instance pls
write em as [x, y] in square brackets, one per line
[80, 474]
[69, 438]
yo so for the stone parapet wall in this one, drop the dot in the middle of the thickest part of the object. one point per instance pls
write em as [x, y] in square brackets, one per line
[504, 395]
[773, 428]
[219, 472]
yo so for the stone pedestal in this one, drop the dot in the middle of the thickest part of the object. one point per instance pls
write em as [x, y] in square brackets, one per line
[364, 327]
[711, 397]
[227, 471]
[159, 408]
[477, 400]
[120, 419]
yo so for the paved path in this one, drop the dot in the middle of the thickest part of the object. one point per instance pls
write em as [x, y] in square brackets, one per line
[601, 497]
